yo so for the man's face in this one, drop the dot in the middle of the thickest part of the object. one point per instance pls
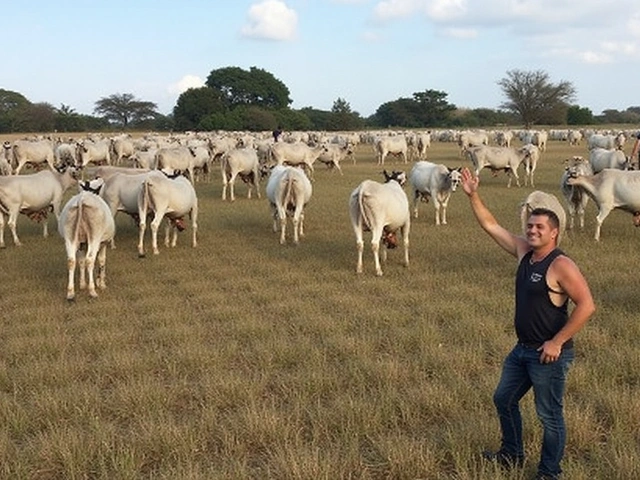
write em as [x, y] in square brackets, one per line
[539, 231]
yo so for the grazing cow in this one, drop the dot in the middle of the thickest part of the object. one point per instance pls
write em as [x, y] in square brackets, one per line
[122, 147]
[144, 158]
[32, 195]
[438, 181]
[423, 142]
[382, 209]
[65, 153]
[539, 139]
[334, 154]
[121, 192]
[531, 158]
[574, 195]
[611, 188]
[98, 152]
[33, 152]
[600, 158]
[498, 158]
[289, 191]
[574, 137]
[170, 197]
[395, 145]
[539, 199]
[504, 138]
[241, 162]
[106, 171]
[86, 220]
[597, 140]
[177, 158]
[467, 140]
[295, 154]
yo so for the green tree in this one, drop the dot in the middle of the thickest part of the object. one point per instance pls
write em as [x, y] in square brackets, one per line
[255, 87]
[123, 109]
[399, 113]
[11, 104]
[432, 108]
[343, 118]
[195, 104]
[534, 98]
[67, 120]
[577, 115]
[36, 117]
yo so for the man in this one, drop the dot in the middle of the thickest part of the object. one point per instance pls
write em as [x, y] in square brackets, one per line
[545, 281]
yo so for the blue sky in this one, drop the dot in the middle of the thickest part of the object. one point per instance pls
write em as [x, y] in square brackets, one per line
[365, 51]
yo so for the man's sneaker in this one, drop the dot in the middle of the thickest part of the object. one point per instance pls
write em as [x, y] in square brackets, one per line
[504, 459]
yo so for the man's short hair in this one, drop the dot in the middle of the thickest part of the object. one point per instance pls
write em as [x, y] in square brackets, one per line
[550, 214]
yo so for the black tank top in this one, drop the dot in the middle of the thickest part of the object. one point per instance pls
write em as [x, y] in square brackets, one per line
[537, 319]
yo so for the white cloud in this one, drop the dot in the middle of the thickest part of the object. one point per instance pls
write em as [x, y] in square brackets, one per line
[462, 32]
[443, 10]
[271, 20]
[185, 83]
[595, 57]
[393, 9]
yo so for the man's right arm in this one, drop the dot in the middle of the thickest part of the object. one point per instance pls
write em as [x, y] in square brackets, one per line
[511, 243]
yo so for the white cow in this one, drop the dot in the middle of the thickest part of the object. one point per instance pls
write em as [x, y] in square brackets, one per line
[334, 154]
[597, 140]
[121, 147]
[144, 158]
[498, 158]
[539, 139]
[601, 158]
[395, 145]
[611, 188]
[98, 152]
[172, 198]
[467, 140]
[289, 191]
[32, 195]
[121, 192]
[574, 137]
[531, 158]
[241, 162]
[504, 138]
[177, 158]
[33, 152]
[539, 199]
[382, 209]
[296, 154]
[86, 220]
[575, 196]
[429, 180]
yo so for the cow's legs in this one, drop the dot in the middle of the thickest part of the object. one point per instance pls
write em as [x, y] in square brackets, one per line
[101, 279]
[12, 226]
[71, 268]
[2, 245]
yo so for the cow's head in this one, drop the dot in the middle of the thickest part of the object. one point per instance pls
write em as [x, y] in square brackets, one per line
[94, 186]
[455, 177]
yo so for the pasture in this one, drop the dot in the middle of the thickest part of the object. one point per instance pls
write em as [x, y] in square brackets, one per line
[247, 359]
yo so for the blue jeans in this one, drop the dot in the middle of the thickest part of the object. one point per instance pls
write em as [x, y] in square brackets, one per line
[521, 371]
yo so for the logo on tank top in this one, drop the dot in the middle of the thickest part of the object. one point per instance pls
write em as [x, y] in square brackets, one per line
[535, 277]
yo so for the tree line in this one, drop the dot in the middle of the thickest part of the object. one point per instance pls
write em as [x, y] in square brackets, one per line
[255, 100]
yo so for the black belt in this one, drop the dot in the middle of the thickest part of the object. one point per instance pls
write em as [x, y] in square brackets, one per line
[534, 345]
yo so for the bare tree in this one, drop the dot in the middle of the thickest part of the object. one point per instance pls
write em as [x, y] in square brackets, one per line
[533, 97]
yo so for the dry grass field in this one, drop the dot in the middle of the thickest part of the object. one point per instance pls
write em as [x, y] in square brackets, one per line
[247, 359]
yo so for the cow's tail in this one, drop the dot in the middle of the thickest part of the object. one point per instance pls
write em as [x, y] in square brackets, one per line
[365, 211]
[145, 199]
[78, 225]
[288, 193]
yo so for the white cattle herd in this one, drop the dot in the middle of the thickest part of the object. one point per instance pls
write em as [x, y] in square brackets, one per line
[146, 177]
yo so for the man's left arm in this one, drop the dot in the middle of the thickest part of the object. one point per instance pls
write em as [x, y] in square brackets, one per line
[571, 281]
